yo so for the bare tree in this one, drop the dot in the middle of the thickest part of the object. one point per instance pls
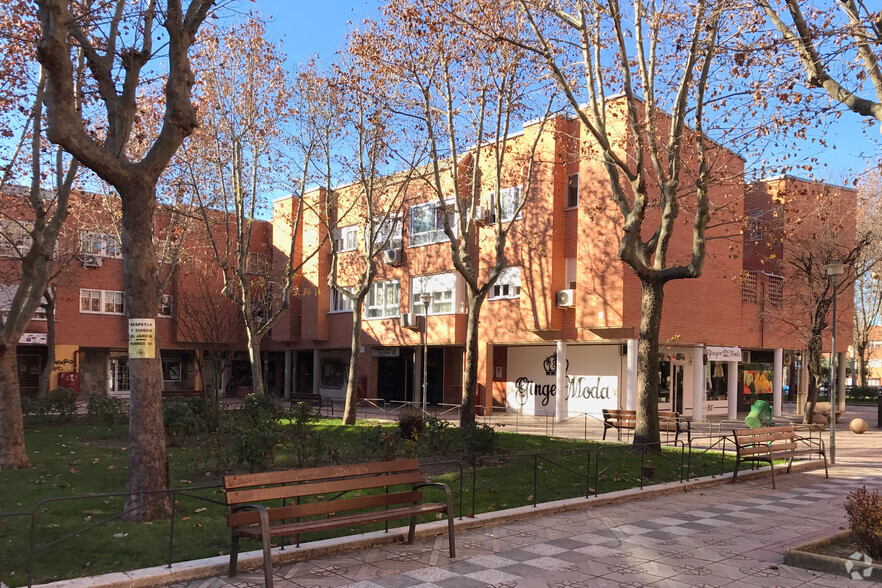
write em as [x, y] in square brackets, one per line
[117, 40]
[868, 285]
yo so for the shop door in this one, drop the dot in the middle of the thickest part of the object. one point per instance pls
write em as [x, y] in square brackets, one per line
[435, 376]
[670, 386]
[677, 387]
[30, 365]
[395, 378]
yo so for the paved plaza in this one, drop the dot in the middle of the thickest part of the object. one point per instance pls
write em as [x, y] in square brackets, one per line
[720, 535]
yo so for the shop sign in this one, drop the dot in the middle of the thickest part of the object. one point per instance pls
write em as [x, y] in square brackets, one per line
[385, 351]
[723, 353]
[142, 338]
[32, 339]
[533, 388]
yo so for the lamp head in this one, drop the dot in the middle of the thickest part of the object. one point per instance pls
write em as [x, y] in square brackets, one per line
[835, 270]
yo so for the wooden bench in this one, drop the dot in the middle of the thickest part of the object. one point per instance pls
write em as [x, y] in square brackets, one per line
[316, 400]
[667, 421]
[766, 444]
[334, 502]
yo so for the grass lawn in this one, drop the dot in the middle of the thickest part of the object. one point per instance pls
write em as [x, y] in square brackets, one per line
[79, 459]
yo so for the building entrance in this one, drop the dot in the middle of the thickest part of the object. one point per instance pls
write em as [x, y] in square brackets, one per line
[395, 377]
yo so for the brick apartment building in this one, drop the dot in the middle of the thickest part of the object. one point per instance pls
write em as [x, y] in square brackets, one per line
[567, 291]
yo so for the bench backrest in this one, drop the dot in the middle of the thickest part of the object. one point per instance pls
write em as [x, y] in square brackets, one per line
[631, 415]
[763, 439]
[327, 484]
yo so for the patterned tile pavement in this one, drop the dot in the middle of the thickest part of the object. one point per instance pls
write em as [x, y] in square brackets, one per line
[725, 535]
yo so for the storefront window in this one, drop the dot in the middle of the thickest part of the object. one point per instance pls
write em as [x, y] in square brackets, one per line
[664, 380]
[717, 378]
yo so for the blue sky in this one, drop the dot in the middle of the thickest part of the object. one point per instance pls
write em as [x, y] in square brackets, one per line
[307, 28]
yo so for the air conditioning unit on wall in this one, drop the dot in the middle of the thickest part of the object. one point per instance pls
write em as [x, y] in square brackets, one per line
[408, 321]
[566, 298]
[481, 215]
[90, 260]
[392, 256]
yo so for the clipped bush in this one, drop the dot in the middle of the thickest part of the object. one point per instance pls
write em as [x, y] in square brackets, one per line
[254, 432]
[436, 438]
[411, 422]
[108, 410]
[60, 402]
[864, 511]
[477, 440]
[300, 434]
[385, 443]
[180, 419]
[30, 405]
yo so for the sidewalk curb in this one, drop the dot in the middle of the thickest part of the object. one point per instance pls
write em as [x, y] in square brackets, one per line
[216, 566]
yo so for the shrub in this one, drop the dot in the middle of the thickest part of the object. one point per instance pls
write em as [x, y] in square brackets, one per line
[108, 410]
[61, 402]
[436, 438]
[477, 440]
[254, 432]
[411, 422]
[30, 405]
[864, 510]
[385, 443]
[180, 419]
[300, 434]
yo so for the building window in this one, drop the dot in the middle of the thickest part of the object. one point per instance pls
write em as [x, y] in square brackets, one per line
[748, 288]
[165, 306]
[509, 201]
[442, 288]
[427, 223]
[119, 374]
[171, 370]
[572, 190]
[383, 300]
[339, 301]
[333, 373]
[15, 238]
[7, 294]
[755, 226]
[101, 244]
[102, 301]
[571, 272]
[388, 234]
[776, 289]
[345, 238]
[508, 285]
[255, 263]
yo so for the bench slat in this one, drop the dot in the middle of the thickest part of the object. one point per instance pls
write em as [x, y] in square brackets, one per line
[293, 511]
[324, 487]
[344, 521]
[323, 473]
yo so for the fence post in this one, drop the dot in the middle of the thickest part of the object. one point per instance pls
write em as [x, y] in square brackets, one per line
[171, 528]
[535, 477]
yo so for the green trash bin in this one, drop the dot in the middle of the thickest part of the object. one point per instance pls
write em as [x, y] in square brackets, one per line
[758, 412]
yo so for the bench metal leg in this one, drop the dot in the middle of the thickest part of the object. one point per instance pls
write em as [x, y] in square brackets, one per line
[412, 530]
[450, 535]
[772, 465]
[737, 466]
[267, 560]
[234, 555]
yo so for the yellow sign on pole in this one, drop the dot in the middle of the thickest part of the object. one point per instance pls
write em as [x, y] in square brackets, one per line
[142, 338]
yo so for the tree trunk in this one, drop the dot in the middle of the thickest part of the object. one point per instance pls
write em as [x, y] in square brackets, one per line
[210, 366]
[12, 446]
[646, 430]
[470, 385]
[46, 374]
[860, 365]
[256, 366]
[813, 357]
[148, 459]
[352, 383]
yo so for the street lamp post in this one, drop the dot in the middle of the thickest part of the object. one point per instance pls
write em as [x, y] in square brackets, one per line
[426, 299]
[835, 272]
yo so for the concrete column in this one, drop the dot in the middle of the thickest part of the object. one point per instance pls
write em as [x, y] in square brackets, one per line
[630, 400]
[316, 372]
[732, 390]
[561, 411]
[699, 385]
[288, 374]
[778, 383]
[841, 360]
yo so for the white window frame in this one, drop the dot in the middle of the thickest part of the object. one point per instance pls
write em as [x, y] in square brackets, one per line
[436, 234]
[444, 289]
[104, 297]
[377, 304]
[7, 294]
[570, 184]
[119, 375]
[346, 238]
[339, 302]
[392, 226]
[508, 285]
[165, 306]
[509, 200]
[15, 237]
[101, 244]
[255, 263]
